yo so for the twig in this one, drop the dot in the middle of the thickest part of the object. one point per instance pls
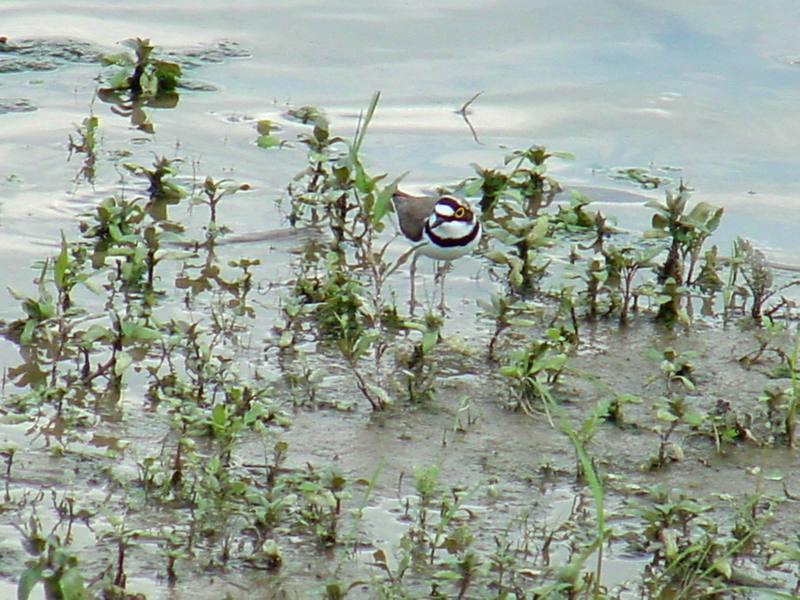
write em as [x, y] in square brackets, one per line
[463, 111]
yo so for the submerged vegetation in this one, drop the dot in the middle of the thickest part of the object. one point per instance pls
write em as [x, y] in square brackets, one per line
[141, 319]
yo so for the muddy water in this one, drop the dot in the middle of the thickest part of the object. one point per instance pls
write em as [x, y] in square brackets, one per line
[705, 92]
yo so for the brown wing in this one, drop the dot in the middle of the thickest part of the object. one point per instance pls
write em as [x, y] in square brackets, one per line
[412, 211]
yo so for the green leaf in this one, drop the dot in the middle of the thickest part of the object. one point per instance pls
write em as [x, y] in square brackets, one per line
[122, 59]
[447, 574]
[60, 264]
[496, 256]
[27, 581]
[657, 205]
[71, 584]
[693, 418]
[523, 322]
[664, 415]
[554, 363]
[540, 229]
[95, 332]
[363, 182]
[123, 361]
[670, 537]
[653, 234]
[723, 566]
[268, 141]
[149, 83]
[219, 415]
[473, 187]
[286, 339]
[114, 232]
[120, 80]
[362, 345]
[384, 200]
[429, 340]
[509, 371]
[167, 74]
[363, 125]
[139, 332]
[26, 336]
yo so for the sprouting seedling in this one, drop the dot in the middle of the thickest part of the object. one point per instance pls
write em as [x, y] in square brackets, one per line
[646, 178]
[535, 369]
[686, 233]
[676, 408]
[142, 75]
[507, 312]
[490, 184]
[141, 81]
[621, 266]
[68, 271]
[573, 218]
[86, 143]
[526, 237]
[162, 189]
[676, 369]
[419, 372]
[529, 178]
[52, 564]
[213, 192]
[708, 279]
[38, 310]
[758, 277]
[266, 135]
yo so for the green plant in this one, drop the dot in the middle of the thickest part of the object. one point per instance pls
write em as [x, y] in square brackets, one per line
[528, 179]
[322, 496]
[525, 237]
[759, 281]
[781, 402]
[491, 183]
[621, 266]
[162, 189]
[141, 74]
[534, 370]
[648, 178]
[140, 81]
[568, 578]
[507, 313]
[512, 203]
[212, 193]
[85, 143]
[686, 232]
[52, 564]
[674, 409]
[418, 371]
[692, 553]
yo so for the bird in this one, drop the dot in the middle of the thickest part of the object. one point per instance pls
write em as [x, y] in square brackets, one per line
[445, 227]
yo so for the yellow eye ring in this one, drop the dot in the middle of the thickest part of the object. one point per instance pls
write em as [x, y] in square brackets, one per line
[460, 212]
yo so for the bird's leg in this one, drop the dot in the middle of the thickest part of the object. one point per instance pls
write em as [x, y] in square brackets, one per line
[442, 267]
[412, 301]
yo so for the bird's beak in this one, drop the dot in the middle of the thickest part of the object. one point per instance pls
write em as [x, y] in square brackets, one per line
[436, 222]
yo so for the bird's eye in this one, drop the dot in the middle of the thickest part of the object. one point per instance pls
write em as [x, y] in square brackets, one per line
[459, 212]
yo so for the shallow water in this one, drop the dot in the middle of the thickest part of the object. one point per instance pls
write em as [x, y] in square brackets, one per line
[704, 92]
[708, 88]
